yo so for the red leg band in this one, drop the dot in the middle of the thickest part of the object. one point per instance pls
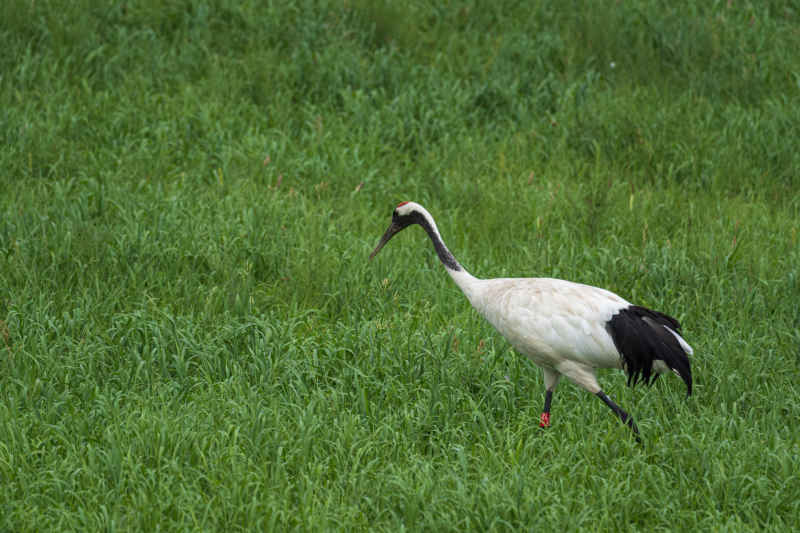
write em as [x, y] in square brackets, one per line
[544, 420]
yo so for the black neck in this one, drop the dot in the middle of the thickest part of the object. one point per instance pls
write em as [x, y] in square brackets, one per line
[447, 258]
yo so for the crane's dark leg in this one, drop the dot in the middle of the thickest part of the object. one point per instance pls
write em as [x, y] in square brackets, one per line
[551, 377]
[544, 420]
[625, 417]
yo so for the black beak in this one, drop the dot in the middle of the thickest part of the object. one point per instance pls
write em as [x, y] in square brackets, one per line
[393, 228]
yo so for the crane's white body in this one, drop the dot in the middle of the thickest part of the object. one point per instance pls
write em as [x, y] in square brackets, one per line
[558, 324]
[566, 328]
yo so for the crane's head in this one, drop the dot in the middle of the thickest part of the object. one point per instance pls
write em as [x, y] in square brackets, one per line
[404, 215]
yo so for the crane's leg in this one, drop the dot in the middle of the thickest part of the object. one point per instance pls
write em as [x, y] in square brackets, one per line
[550, 381]
[620, 412]
[584, 376]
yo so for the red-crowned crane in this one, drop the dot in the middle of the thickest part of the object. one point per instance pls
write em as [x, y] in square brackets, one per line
[566, 328]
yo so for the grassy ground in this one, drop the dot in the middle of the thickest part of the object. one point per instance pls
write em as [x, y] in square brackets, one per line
[192, 337]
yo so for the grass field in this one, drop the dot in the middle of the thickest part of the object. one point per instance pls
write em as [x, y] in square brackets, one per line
[192, 338]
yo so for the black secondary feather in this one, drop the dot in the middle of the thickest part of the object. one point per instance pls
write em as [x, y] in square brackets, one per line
[641, 337]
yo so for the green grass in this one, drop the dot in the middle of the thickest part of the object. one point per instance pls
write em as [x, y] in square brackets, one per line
[192, 338]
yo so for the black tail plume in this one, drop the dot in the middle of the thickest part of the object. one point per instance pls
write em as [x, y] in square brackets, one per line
[643, 336]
